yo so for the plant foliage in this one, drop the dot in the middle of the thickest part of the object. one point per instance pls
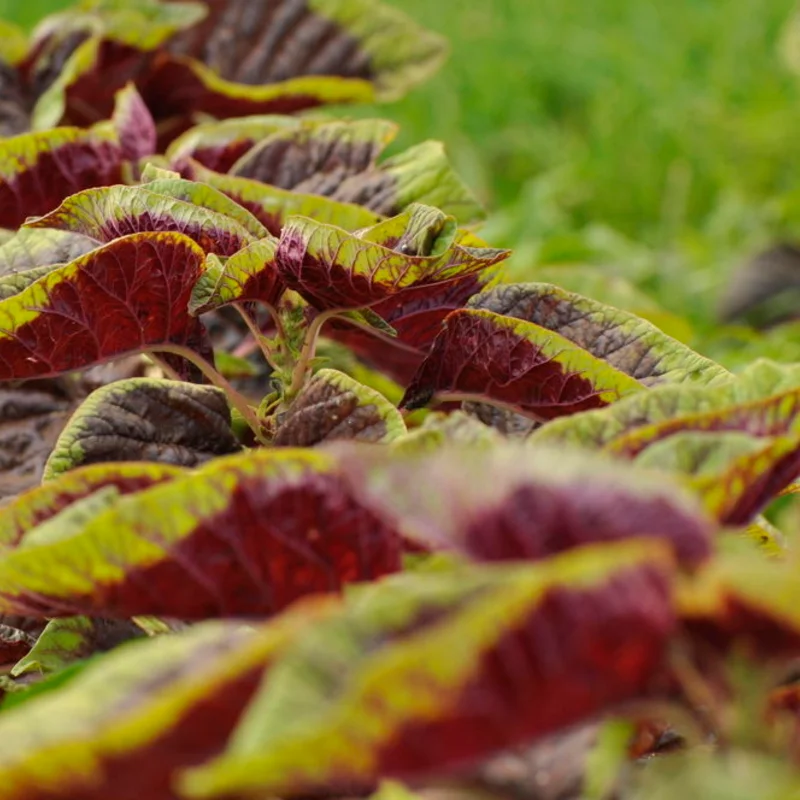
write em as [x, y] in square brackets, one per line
[331, 508]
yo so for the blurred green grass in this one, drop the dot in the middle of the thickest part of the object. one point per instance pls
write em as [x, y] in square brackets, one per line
[654, 140]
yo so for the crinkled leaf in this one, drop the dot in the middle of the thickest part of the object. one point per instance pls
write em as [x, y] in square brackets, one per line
[146, 419]
[15, 282]
[510, 502]
[126, 722]
[65, 641]
[38, 170]
[243, 535]
[109, 213]
[317, 157]
[625, 341]
[251, 274]
[517, 364]
[332, 268]
[273, 206]
[376, 691]
[44, 502]
[333, 406]
[127, 296]
[171, 184]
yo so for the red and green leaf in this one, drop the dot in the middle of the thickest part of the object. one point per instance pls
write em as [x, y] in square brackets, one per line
[41, 504]
[128, 296]
[334, 269]
[251, 274]
[626, 342]
[146, 419]
[388, 699]
[509, 501]
[109, 213]
[333, 406]
[480, 355]
[218, 145]
[243, 535]
[137, 715]
[38, 170]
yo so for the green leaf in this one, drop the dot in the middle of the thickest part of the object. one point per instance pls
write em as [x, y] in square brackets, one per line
[66, 641]
[30, 248]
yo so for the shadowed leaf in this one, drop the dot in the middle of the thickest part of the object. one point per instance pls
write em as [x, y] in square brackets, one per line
[14, 116]
[332, 268]
[333, 406]
[251, 274]
[109, 213]
[14, 644]
[416, 316]
[625, 341]
[516, 364]
[509, 501]
[146, 419]
[127, 296]
[376, 692]
[243, 535]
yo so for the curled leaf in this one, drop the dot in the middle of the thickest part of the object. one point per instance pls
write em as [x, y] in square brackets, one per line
[146, 419]
[334, 269]
[250, 274]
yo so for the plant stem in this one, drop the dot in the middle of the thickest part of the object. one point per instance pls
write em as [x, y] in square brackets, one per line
[163, 366]
[261, 340]
[237, 400]
[307, 353]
